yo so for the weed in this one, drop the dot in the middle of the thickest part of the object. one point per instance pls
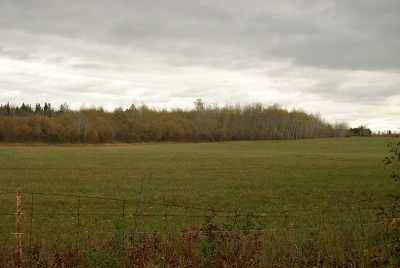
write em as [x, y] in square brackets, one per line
[112, 256]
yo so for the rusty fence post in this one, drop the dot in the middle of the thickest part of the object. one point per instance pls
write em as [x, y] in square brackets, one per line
[19, 230]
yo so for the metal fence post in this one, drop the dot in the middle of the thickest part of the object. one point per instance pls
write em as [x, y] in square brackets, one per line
[19, 228]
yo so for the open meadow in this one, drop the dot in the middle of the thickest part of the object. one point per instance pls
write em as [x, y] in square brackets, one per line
[298, 188]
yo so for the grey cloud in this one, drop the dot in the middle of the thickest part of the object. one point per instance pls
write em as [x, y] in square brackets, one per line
[15, 54]
[89, 66]
[194, 92]
[368, 93]
[57, 59]
[330, 38]
[329, 34]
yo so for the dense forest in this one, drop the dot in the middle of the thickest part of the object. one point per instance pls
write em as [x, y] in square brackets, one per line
[139, 123]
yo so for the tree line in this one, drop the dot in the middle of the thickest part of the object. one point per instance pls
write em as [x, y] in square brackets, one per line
[140, 123]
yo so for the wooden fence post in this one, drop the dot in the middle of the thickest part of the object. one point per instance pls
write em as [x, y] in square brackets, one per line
[19, 228]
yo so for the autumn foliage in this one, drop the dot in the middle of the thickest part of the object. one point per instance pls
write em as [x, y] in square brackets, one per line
[139, 123]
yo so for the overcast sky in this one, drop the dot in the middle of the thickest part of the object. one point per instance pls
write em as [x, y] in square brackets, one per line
[340, 58]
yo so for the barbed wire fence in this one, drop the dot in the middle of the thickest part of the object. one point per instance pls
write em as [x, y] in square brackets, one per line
[81, 219]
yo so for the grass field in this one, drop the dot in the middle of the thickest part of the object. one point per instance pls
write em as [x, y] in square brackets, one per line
[242, 175]
[298, 178]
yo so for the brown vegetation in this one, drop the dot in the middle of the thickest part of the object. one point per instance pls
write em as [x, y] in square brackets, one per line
[142, 124]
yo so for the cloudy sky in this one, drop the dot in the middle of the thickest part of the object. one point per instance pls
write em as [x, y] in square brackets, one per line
[340, 58]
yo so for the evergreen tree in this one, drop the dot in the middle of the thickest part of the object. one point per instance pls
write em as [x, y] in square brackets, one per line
[38, 109]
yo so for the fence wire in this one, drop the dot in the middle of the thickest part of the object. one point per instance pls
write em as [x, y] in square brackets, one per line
[49, 217]
[35, 208]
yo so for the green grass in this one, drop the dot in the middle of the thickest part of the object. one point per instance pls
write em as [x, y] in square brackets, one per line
[285, 184]
[259, 176]
[232, 175]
